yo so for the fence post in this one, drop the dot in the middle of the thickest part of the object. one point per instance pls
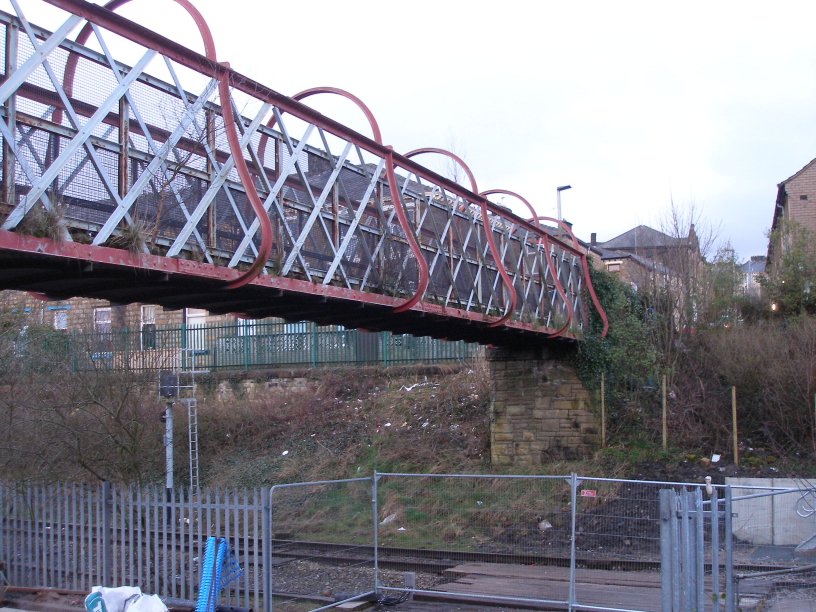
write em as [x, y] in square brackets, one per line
[715, 549]
[573, 482]
[699, 561]
[107, 549]
[266, 550]
[126, 349]
[729, 551]
[603, 410]
[246, 344]
[686, 552]
[734, 424]
[383, 348]
[73, 359]
[374, 478]
[665, 415]
[184, 343]
[666, 544]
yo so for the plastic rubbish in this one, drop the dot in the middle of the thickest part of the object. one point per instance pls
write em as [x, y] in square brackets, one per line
[122, 599]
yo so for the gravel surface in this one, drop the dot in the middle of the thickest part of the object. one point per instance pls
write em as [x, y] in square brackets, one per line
[299, 577]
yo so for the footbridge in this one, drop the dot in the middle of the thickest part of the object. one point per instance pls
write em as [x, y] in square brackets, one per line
[137, 170]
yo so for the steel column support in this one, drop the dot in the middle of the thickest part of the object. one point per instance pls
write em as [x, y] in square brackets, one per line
[123, 180]
[10, 110]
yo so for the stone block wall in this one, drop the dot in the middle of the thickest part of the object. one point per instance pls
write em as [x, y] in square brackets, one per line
[540, 411]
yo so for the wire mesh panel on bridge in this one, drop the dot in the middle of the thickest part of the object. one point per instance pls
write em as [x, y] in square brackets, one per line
[73, 536]
[323, 543]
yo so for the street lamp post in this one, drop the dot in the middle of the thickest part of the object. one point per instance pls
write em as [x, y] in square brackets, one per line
[558, 191]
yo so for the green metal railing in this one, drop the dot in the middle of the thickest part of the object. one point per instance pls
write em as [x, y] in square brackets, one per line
[250, 344]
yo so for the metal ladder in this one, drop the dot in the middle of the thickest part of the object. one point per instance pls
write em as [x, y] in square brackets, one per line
[192, 442]
[187, 395]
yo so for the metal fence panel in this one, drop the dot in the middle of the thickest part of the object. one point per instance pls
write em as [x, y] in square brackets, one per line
[504, 528]
[78, 535]
[48, 535]
[774, 540]
[243, 346]
[323, 543]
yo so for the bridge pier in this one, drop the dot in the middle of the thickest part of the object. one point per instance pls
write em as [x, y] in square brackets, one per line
[540, 410]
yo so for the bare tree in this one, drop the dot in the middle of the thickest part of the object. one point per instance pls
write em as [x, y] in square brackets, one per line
[678, 292]
[65, 416]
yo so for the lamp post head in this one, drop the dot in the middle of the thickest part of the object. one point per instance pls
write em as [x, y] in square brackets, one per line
[558, 191]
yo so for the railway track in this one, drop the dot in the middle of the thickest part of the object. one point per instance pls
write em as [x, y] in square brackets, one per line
[413, 559]
[408, 559]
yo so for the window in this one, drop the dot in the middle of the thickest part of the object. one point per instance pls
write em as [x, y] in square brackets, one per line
[102, 320]
[196, 323]
[147, 321]
[295, 328]
[60, 315]
[247, 327]
[102, 330]
[61, 320]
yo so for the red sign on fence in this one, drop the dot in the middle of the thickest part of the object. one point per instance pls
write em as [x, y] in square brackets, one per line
[588, 493]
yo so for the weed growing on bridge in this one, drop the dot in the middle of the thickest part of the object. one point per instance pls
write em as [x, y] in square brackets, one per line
[133, 236]
[42, 222]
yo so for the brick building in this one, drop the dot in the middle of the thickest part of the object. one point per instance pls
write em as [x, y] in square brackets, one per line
[795, 203]
[645, 257]
[101, 316]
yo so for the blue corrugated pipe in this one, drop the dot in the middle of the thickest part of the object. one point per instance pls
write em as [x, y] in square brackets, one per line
[210, 584]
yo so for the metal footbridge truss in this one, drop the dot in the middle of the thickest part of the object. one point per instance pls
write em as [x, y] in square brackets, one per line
[171, 179]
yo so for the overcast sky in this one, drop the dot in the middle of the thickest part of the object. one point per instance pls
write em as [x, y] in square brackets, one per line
[634, 104]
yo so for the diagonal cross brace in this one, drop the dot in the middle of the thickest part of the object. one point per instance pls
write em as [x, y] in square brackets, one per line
[215, 186]
[358, 215]
[211, 156]
[149, 172]
[76, 143]
[19, 76]
[149, 138]
[75, 121]
[272, 198]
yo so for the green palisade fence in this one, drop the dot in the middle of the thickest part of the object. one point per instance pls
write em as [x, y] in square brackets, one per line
[246, 345]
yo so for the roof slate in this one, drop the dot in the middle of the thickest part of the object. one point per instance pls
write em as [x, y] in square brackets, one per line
[640, 237]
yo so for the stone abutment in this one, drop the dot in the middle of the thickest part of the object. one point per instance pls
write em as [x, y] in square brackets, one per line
[540, 410]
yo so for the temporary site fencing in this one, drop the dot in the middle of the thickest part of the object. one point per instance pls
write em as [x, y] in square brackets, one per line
[529, 541]
[245, 345]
